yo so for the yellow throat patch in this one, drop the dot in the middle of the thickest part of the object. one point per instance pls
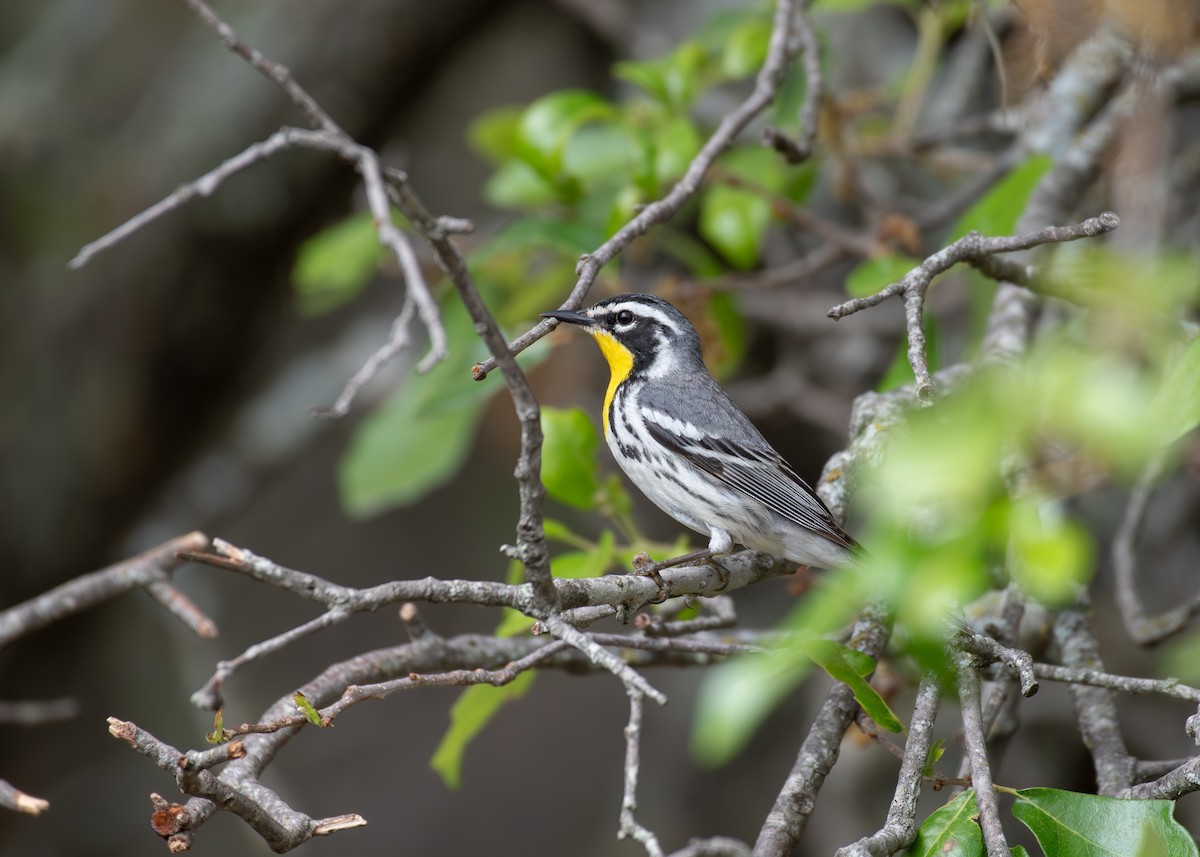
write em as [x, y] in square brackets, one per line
[620, 363]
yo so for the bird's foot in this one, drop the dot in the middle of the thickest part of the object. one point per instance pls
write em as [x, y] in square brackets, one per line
[643, 566]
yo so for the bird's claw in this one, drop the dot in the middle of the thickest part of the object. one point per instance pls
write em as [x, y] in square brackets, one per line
[643, 566]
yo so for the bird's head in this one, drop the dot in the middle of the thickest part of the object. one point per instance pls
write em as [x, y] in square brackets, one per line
[638, 333]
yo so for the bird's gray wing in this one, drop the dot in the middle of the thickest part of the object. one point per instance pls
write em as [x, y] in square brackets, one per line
[749, 465]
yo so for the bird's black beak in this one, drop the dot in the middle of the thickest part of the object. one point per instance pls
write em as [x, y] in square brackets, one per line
[569, 317]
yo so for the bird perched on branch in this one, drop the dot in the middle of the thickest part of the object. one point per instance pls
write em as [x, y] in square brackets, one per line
[687, 446]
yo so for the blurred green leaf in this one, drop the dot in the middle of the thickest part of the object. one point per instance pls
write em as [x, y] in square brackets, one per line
[874, 274]
[689, 251]
[674, 79]
[725, 354]
[950, 831]
[622, 210]
[615, 501]
[785, 109]
[746, 48]
[473, 710]
[493, 134]
[515, 184]
[735, 222]
[736, 696]
[846, 665]
[335, 264]
[602, 153]
[1087, 825]
[569, 469]
[1181, 658]
[996, 213]
[584, 564]
[421, 435]
[759, 166]
[1176, 407]
[1051, 557]
[714, 34]
[526, 235]
[676, 141]
[548, 124]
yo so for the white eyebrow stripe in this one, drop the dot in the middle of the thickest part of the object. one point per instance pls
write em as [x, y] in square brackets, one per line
[644, 310]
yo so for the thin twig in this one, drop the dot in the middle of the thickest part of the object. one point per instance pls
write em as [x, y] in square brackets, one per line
[900, 829]
[603, 658]
[329, 136]
[976, 748]
[972, 246]
[629, 824]
[801, 149]
[13, 798]
[991, 651]
[1074, 640]
[146, 570]
[1145, 629]
[531, 538]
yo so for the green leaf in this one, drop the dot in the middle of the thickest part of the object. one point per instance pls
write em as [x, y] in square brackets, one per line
[473, 710]
[676, 141]
[996, 213]
[306, 708]
[725, 354]
[785, 109]
[1177, 405]
[950, 831]
[548, 124]
[833, 657]
[1086, 825]
[935, 754]
[420, 437]
[525, 235]
[746, 48]
[875, 274]
[220, 734]
[584, 564]
[335, 264]
[518, 185]
[847, 6]
[600, 154]
[735, 222]
[674, 79]
[569, 469]
[493, 134]
[735, 697]
[1051, 556]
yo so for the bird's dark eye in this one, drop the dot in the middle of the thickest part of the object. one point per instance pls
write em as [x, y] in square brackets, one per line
[624, 317]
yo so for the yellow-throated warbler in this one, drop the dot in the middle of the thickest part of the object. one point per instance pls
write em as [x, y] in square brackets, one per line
[690, 449]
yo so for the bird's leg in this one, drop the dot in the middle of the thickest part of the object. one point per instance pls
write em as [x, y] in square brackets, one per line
[720, 544]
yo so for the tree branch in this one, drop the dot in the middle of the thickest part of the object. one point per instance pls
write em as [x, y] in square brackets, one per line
[976, 749]
[900, 829]
[972, 247]
[149, 570]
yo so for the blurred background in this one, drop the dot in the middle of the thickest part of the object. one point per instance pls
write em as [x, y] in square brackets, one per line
[166, 387]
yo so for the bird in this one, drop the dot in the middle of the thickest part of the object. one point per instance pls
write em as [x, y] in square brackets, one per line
[684, 443]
